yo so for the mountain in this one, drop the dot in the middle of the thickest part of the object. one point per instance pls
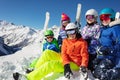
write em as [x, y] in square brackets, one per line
[14, 37]
[18, 36]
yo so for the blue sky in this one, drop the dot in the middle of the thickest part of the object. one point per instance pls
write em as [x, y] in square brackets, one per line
[32, 12]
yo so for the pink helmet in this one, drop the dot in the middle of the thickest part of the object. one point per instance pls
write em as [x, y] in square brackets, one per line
[64, 17]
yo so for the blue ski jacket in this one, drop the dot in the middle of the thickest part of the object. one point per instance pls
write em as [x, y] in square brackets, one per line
[110, 37]
[51, 45]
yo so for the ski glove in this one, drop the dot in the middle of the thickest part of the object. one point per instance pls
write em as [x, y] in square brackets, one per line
[83, 69]
[67, 71]
[105, 50]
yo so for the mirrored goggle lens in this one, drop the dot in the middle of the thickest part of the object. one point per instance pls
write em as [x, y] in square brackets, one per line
[105, 17]
[71, 32]
[50, 37]
[90, 17]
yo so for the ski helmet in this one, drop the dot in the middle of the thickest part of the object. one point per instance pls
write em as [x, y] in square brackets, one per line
[64, 17]
[70, 26]
[92, 12]
[49, 33]
[108, 11]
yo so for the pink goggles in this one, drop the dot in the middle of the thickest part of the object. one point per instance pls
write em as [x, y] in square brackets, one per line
[90, 17]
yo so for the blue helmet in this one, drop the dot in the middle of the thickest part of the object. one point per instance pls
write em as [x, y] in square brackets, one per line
[108, 11]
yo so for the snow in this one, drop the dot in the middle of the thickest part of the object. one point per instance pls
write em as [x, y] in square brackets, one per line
[19, 61]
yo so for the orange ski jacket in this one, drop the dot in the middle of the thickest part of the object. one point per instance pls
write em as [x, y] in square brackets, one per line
[75, 50]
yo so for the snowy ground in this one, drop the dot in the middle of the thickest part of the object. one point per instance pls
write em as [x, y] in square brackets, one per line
[21, 59]
[18, 61]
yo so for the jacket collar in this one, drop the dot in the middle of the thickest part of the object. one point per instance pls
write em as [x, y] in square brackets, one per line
[113, 23]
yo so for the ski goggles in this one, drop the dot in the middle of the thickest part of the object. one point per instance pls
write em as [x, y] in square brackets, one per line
[105, 17]
[49, 37]
[71, 31]
[90, 17]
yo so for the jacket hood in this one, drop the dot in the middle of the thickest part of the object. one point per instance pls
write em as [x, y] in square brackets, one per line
[114, 22]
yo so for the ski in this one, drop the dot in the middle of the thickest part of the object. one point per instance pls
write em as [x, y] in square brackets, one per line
[117, 15]
[46, 20]
[77, 22]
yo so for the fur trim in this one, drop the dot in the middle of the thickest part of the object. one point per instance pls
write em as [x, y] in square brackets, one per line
[114, 22]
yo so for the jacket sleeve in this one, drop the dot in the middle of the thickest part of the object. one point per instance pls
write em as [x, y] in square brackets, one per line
[116, 40]
[83, 33]
[84, 54]
[57, 45]
[63, 52]
[97, 32]
[44, 46]
[59, 40]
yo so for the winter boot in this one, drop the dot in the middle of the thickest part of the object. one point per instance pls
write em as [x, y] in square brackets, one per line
[29, 70]
[19, 76]
[16, 76]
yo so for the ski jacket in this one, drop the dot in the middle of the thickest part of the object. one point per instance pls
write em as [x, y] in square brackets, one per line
[76, 51]
[91, 35]
[110, 36]
[62, 35]
[51, 45]
[89, 32]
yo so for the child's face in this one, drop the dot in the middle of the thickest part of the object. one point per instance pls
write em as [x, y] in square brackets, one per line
[65, 23]
[106, 22]
[105, 19]
[90, 19]
[49, 38]
[71, 34]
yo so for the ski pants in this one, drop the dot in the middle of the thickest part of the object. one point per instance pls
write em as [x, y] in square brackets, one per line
[50, 61]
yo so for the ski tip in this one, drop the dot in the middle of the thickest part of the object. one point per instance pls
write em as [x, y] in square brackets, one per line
[47, 13]
[79, 4]
[117, 15]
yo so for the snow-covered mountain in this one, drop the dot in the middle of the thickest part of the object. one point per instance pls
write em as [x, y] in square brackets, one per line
[14, 37]
[5, 49]
[18, 36]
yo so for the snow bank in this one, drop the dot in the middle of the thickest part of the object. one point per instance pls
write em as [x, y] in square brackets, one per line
[18, 61]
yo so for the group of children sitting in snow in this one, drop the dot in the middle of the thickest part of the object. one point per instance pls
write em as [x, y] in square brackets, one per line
[95, 47]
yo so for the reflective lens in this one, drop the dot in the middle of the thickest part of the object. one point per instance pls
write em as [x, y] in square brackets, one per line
[71, 32]
[49, 37]
[90, 17]
[105, 17]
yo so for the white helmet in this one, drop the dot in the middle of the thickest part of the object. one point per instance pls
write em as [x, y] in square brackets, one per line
[70, 26]
[92, 12]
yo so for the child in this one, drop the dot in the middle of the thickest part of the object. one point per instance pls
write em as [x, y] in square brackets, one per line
[91, 34]
[108, 59]
[62, 34]
[50, 42]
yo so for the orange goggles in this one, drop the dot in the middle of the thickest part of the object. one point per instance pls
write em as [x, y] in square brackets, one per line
[105, 17]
